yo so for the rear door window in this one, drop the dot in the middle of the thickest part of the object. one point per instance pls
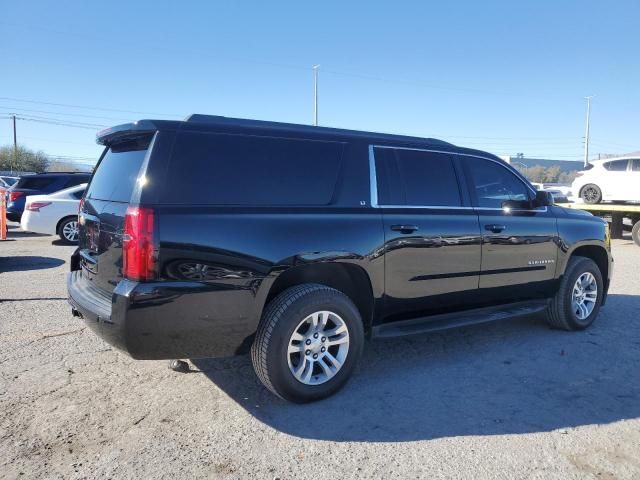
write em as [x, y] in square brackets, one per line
[635, 165]
[117, 172]
[416, 178]
[219, 169]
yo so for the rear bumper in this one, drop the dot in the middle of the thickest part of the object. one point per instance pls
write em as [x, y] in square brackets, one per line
[162, 320]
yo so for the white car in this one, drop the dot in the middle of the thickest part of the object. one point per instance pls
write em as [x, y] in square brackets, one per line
[560, 193]
[614, 179]
[54, 214]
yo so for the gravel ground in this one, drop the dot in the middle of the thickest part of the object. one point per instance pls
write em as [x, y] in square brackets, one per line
[506, 400]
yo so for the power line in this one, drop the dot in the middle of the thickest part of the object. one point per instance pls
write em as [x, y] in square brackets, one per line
[85, 107]
[19, 110]
[55, 121]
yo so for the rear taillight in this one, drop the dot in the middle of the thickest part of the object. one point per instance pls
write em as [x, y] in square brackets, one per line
[13, 196]
[138, 256]
[36, 206]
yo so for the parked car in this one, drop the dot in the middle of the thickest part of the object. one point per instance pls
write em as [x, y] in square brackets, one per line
[558, 193]
[54, 214]
[613, 179]
[6, 181]
[299, 242]
[39, 184]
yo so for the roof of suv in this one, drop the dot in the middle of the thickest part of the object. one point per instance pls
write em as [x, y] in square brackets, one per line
[199, 122]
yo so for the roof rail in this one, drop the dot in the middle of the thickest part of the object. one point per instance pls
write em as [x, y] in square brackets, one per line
[243, 122]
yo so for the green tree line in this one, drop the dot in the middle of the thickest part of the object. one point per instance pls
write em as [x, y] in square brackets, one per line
[23, 159]
[541, 174]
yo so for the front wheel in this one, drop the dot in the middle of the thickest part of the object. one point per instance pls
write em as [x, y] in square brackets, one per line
[578, 299]
[308, 343]
[68, 230]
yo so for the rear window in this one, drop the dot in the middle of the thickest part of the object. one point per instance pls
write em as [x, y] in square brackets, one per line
[117, 172]
[219, 169]
[36, 183]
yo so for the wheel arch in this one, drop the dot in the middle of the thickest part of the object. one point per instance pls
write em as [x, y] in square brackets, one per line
[350, 279]
[600, 255]
[61, 221]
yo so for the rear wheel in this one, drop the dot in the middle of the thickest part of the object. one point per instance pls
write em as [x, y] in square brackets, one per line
[68, 230]
[591, 193]
[308, 343]
[578, 299]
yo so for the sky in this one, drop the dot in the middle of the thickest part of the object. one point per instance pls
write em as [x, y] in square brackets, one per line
[504, 76]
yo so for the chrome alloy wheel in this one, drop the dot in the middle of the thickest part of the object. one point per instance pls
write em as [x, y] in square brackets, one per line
[590, 194]
[318, 348]
[584, 295]
[70, 231]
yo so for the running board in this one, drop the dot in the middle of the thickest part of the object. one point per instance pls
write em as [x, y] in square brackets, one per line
[445, 321]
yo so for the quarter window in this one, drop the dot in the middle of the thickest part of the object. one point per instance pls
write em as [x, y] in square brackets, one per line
[219, 169]
[493, 184]
[416, 178]
[616, 166]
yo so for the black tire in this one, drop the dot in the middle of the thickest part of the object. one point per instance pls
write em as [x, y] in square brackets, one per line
[591, 193]
[635, 232]
[61, 226]
[560, 313]
[281, 317]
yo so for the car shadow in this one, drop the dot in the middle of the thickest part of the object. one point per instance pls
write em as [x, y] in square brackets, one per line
[501, 378]
[24, 263]
[22, 234]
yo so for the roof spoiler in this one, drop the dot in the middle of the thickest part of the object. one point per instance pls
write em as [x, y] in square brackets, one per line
[112, 134]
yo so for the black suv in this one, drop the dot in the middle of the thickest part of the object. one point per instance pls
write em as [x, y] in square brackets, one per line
[214, 236]
[39, 184]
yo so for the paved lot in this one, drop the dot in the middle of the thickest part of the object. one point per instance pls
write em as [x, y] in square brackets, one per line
[508, 400]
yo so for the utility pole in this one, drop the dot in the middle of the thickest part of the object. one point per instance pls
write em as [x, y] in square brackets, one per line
[586, 136]
[315, 94]
[15, 144]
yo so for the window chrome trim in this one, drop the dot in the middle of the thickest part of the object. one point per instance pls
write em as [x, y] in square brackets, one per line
[373, 181]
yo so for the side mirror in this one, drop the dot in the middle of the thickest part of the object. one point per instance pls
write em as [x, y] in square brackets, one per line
[543, 199]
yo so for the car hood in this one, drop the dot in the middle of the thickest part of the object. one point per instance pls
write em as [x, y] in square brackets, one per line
[576, 212]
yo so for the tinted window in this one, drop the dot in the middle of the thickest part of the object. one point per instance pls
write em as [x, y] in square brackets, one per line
[219, 169]
[616, 166]
[414, 177]
[116, 174]
[635, 165]
[77, 179]
[36, 183]
[492, 183]
[78, 194]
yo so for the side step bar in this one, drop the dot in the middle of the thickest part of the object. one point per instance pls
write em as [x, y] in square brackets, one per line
[445, 321]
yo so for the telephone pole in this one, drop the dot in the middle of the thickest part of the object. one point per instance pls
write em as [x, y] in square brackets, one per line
[15, 144]
[315, 94]
[586, 135]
